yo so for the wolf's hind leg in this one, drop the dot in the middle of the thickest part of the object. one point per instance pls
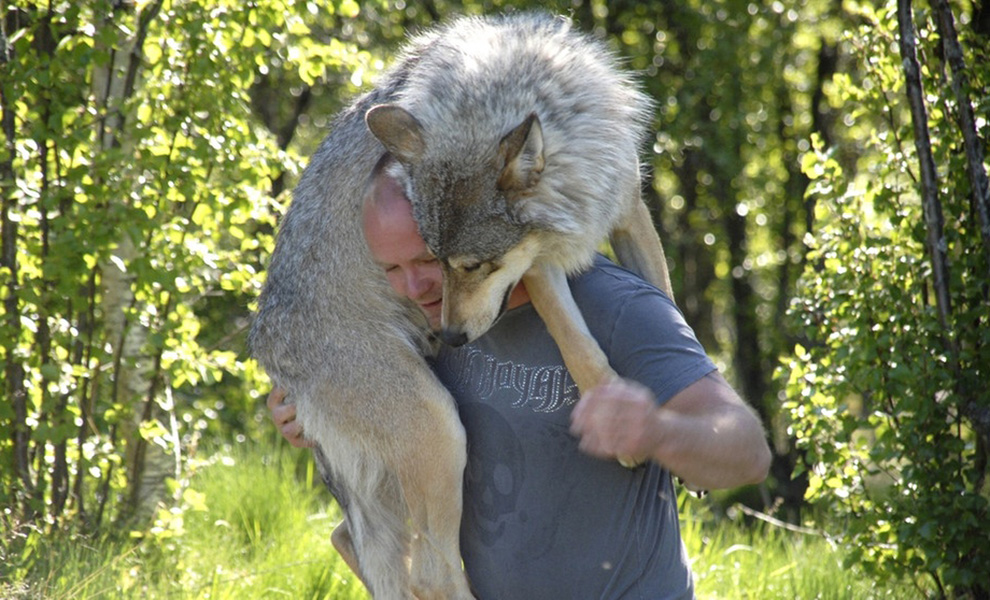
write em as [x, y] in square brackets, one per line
[432, 475]
[435, 506]
[344, 544]
[376, 526]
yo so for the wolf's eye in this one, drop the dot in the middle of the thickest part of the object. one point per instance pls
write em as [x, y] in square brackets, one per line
[471, 267]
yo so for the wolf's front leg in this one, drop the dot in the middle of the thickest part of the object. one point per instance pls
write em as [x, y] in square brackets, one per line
[583, 357]
[551, 296]
[637, 244]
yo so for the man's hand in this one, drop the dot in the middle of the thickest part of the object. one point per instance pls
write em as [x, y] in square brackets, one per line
[617, 420]
[705, 434]
[284, 416]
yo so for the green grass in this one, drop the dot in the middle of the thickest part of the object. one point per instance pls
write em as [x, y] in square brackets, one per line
[250, 527]
[254, 525]
[733, 560]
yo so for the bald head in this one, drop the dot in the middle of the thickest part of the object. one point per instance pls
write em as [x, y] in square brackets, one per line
[396, 246]
[386, 208]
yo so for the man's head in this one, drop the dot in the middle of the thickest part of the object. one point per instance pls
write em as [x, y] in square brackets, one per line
[474, 203]
[397, 247]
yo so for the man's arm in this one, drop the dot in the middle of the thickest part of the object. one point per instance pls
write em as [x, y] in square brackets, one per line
[705, 434]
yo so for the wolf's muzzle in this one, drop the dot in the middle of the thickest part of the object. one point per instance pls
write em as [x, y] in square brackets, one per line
[453, 338]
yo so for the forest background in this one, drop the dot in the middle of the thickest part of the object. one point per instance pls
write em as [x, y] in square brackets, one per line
[818, 176]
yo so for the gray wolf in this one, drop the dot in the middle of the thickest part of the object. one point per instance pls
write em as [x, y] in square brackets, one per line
[350, 355]
[534, 166]
[519, 150]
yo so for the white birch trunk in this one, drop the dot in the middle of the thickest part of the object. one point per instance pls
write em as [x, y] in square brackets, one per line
[147, 465]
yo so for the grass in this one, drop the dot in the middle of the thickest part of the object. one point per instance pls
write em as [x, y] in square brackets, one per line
[733, 560]
[249, 527]
[254, 525]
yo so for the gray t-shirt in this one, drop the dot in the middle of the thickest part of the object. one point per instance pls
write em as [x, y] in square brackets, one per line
[541, 519]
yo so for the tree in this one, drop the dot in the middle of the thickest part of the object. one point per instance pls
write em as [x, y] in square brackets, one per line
[886, 395]
[137, 189]
[157, 108]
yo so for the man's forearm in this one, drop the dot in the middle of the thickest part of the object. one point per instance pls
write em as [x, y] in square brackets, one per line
[705, 434]
[723, 447]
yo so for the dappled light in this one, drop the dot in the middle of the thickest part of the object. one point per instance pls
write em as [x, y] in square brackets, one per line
[817, 172]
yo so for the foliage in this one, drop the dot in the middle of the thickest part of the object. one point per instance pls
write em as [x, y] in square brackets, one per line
[138, 208]
[880, 391]
[252, 524]
[249, 525]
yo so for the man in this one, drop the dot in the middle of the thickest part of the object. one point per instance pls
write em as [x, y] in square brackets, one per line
[544, 516]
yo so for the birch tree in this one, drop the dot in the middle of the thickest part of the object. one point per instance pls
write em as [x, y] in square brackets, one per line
[139, 199]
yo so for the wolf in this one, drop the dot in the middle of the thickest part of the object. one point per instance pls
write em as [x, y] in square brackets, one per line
[517, 140]
[350, 354]
[518, 145]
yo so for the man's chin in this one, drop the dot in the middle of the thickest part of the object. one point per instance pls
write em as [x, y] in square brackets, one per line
[433, 320]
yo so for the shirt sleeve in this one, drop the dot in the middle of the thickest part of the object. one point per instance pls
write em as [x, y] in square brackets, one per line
[650, 342]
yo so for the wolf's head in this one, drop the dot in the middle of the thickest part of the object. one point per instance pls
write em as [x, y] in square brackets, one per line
[477, 208]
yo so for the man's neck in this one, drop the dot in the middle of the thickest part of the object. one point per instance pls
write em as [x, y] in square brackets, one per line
[519, 296]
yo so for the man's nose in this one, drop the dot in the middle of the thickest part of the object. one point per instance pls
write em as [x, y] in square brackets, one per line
[417, 283]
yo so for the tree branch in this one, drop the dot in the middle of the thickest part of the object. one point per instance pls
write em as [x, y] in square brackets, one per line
[980, 189]
[932, 206]
[978, 415]
[13, 369]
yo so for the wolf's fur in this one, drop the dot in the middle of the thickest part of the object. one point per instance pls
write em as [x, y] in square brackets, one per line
[349, 353]
[494, 191]
[519, 150]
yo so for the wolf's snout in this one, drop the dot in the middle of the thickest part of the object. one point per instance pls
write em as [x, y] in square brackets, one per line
[453, 337]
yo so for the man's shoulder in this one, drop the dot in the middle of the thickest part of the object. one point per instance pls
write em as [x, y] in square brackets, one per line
[614, 300]
[606, 281]
[641, 330]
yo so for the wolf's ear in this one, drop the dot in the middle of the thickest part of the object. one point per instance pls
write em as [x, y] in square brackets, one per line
[398, 130]
[521, 154]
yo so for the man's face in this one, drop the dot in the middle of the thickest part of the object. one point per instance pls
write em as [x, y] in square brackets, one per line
[397, 247]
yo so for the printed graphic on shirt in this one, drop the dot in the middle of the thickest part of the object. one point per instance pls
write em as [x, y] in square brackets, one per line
[479, 375]
[494, 475]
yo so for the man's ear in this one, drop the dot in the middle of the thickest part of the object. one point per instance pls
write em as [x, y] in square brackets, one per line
[398, 131]
[521, 154]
